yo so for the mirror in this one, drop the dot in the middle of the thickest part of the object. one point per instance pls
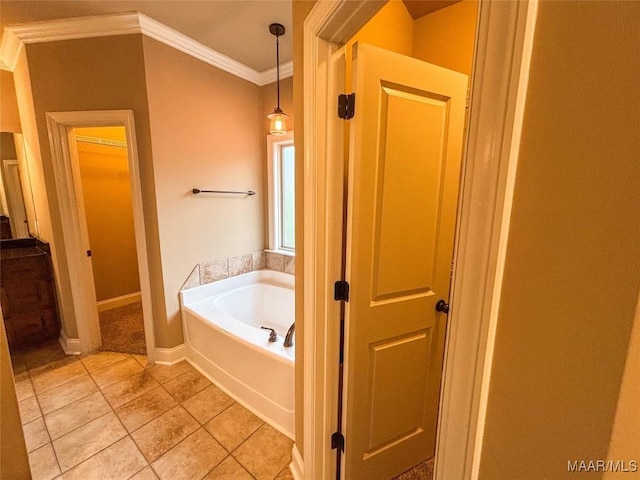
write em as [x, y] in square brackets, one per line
[15, 187]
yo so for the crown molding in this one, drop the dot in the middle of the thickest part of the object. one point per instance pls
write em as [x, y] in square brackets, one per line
[10, 50]
[269, 76]
[160, 32]
[15, 37]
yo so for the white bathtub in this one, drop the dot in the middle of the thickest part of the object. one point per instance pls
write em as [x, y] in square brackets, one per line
[222, 323]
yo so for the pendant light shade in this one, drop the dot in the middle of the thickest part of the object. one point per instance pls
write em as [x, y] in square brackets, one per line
[278, 117]
[278, 122]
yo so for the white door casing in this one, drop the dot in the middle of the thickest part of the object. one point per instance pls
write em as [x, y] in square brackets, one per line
[69, 192]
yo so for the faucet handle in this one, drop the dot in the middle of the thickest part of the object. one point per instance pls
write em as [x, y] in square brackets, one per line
[273, 336]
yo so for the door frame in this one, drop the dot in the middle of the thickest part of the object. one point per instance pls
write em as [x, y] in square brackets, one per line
[69, 193]
[504, 42]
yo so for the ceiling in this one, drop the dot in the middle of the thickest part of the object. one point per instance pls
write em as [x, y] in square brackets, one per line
[236, 28]
[420, 8]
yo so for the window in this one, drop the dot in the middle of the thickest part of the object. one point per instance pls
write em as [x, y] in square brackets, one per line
[281, 178]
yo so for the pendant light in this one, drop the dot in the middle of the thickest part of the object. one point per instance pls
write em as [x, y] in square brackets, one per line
[278, 117]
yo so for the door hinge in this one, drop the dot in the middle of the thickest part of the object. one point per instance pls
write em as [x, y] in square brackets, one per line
[468, 99]
[341, 290]
[337, 441]
[346, 105]
[88, 253]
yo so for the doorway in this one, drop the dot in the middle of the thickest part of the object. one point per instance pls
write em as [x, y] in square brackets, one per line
[63, 127]
[106, 193]
[405, 155]
[504, 39]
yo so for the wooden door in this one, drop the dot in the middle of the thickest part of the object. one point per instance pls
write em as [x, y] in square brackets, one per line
[405, 155]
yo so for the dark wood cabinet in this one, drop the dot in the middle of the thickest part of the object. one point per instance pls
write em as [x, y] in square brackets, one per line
[5, 228]
[27, 293]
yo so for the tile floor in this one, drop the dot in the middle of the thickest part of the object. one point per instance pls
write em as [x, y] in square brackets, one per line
[112, 416]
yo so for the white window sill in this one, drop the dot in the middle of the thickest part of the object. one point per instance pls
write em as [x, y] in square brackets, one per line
[282, 252]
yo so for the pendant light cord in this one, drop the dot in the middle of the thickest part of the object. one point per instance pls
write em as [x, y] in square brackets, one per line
[278, 68]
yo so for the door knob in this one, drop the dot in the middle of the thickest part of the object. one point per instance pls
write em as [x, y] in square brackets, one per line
[442, 306]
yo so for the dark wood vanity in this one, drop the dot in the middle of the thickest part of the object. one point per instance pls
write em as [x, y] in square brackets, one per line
[27, 293]
[5, 228]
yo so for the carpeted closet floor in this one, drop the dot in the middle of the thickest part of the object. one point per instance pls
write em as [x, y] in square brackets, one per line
[122, 329]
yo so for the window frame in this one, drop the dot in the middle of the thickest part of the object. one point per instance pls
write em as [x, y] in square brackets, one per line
[275, 143]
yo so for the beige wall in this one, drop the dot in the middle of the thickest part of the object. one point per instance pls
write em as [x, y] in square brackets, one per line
[391, 28]
[9, 117]
[203, 127]
[572, 274]
[207, 133]
[14, 463]
[446, 37]
[106, 190]
[38, 210]
[104, 73]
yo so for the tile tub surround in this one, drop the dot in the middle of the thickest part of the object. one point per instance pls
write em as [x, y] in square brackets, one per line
[111, 415]
[225, 267]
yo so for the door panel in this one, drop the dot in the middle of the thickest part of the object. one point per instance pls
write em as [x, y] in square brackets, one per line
[405, 116]
[392, 389]
[405, 154]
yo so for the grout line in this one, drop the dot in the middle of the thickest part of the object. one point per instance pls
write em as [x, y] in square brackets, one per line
[152, 419]
[56, 386]
[81, 425]
[153, 469]
[233, 402]
[67, 404]
[143, 366]
[251, 435]
[113, 365]
[221, 461]
[106, 366]
[147, 463]
[101, 450]
[157, 365]
[155, 418]
[22, 421]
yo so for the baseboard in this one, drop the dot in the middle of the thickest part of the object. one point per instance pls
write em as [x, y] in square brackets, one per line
[169, 356]
[297, 464]
[120, 301]
[71, 346]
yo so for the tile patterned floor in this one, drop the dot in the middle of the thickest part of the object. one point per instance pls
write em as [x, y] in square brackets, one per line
[112, 416]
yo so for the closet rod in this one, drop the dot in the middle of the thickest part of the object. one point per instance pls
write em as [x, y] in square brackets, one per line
[101, 141]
